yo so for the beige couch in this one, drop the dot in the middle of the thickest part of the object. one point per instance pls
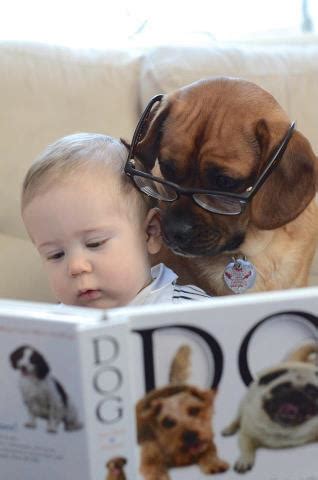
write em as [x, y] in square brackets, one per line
[47, 92]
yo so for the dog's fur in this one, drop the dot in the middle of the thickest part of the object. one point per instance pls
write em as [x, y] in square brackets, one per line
[115, 468]
[43, 395]
[219, 133]
[174, 426]
[280, 408]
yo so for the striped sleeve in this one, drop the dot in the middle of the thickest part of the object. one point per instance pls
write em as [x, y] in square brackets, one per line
[185, 293]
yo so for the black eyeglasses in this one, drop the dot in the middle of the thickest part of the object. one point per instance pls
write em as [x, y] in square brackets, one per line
[215, 201]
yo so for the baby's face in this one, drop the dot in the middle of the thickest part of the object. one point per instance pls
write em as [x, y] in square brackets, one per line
[94, 252]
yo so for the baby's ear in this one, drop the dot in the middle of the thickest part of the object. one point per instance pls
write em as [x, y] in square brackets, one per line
[153, 231]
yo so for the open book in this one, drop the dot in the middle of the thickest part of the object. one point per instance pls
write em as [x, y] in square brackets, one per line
[226, 388]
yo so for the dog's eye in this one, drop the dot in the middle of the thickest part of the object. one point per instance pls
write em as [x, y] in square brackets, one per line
[224, 182]
[168, 422]
[194, 411]
[215, 177]
[168, 170]
[311, 390]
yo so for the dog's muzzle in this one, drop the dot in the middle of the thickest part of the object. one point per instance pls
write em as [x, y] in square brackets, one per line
[290, 406]
[192, 443]
[24, 370]
[185, 235]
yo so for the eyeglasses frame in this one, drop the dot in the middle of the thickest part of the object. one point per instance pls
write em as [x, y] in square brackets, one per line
[243, 198]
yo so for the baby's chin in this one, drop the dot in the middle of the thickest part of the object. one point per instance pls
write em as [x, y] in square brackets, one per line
[101, 304]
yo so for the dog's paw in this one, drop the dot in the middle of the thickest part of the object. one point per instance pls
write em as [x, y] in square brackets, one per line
[243, 465]
[215, 466]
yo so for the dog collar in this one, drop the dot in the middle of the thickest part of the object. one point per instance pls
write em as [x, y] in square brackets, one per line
[239, 274]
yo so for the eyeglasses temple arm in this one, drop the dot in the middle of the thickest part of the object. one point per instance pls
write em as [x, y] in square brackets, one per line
[270, 167]
[143, 118]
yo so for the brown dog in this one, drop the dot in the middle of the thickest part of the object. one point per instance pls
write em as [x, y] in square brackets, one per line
[174, 425]
[174, 430]
[219, 134]
[116, 468]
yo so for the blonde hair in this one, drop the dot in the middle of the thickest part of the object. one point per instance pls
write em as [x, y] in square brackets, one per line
[71, 153]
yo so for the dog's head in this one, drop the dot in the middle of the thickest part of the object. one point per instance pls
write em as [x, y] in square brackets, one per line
[289, 394]
[219, 134]
[30, 362]
[115, 465]
[178, 418]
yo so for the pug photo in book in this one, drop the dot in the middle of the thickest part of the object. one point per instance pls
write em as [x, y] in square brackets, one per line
[280, 408]
[42, 394]
[174, 425]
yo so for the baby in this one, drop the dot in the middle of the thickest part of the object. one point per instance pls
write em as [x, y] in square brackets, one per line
[93, 229]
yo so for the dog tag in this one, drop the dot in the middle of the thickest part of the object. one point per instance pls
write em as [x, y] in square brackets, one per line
[239, 275]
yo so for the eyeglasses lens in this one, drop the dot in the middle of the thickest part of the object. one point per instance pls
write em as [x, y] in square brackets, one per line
[218, 204]
[153, 188]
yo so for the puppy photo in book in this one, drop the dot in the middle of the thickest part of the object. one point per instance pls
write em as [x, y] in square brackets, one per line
[174, 425]
[115, 468]
[280, 408]
[43, 395]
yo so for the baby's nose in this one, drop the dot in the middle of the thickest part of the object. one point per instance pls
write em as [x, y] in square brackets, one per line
[79, 264]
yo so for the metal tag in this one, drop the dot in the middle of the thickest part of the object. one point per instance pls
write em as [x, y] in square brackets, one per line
[239, 275]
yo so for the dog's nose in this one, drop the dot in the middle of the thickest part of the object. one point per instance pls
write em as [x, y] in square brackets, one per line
[190, 437]
[178, 229]
[179, 232]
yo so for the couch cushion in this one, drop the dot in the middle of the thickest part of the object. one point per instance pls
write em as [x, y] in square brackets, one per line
[22, 275]
[48, 92]
[289, 73]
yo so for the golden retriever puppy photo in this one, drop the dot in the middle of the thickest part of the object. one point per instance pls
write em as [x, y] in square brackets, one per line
[280, 408]
[234, 177]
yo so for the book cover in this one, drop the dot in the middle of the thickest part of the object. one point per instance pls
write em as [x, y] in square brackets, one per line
[226, 388]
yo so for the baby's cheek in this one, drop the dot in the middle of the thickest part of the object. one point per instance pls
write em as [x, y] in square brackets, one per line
[58, 284]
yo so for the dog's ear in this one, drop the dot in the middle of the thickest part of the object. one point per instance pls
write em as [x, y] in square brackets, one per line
[307, 353]
[146, 411]
[42, 367]
[148, 148]
[290, 187]
[209, 396]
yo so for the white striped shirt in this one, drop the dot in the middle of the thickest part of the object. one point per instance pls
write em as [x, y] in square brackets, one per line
[165, 289]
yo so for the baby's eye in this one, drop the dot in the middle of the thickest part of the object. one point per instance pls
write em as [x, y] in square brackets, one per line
[55, 256]
[95, 244]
